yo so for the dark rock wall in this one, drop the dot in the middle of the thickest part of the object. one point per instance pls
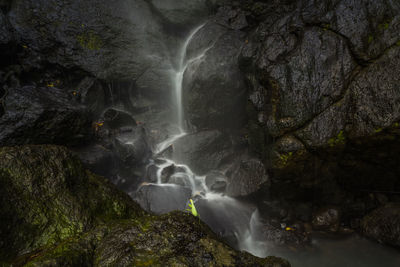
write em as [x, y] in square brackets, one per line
[324, 93]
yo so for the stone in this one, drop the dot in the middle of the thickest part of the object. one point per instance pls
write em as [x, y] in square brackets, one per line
[92, 95]
[161, 199]
[209, 93]
[203, 151]
[38, 115]
[30, 176]
[97, 159]
[216, 181]
[115, 119]
[326, 219]
[245, 177]
[132, 148]
[383, 224]
[100, 37]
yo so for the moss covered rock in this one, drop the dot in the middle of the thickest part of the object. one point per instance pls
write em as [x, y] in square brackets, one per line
[47, 196]
[55, 213]
[174, 239]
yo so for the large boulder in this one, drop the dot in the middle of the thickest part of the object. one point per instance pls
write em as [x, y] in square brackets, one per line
[175, 239]
[38, 115]
[212, 98]
[203, 151]
[48, 196]
[160, 199]
[56, 213]
[245, 176]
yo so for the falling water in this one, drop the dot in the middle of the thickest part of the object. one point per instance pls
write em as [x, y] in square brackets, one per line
[238, 222]
[224, 214]
[183, 63]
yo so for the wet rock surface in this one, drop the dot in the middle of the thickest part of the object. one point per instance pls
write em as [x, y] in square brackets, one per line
[216, 181]
[88, 222]
[203, 151]
[323, 108]
[48, 196]
[162, 199]
[38, 115]
[89, 35]
[326, 219]
[245, 176]
[382, 224]
[209, 92]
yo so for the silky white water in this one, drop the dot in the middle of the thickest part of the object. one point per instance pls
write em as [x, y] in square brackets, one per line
[240, 222]
[221, 212]
[183, 63]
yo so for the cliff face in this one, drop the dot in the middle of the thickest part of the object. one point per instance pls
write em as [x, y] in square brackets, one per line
[324, 92]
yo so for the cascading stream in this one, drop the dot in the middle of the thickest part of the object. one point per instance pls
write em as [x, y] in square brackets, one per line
[179, 73]
[225, 215]
[239, 223]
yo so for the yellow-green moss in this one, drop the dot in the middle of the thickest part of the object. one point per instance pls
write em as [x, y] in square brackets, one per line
[370, 39]
[220, 253]
[384, 26]
[90, 40]
[378, 130]
[146, 258]
[326, 26]
[285, 158]
[340, 139]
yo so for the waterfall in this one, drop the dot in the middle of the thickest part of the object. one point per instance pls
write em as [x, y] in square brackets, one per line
[183, 63]
[225, 215]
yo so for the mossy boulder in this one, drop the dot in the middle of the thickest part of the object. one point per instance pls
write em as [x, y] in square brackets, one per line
[175, 239]
[47, 196]
[55, 213]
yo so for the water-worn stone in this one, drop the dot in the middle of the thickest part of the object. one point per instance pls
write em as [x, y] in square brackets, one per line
[38, 115]
[209, 92]
[383, 224]
[132, 147]
[216, 181]
[245, 177]
[203, 151]
[115, 119]
[92, 95]
[160, 199]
